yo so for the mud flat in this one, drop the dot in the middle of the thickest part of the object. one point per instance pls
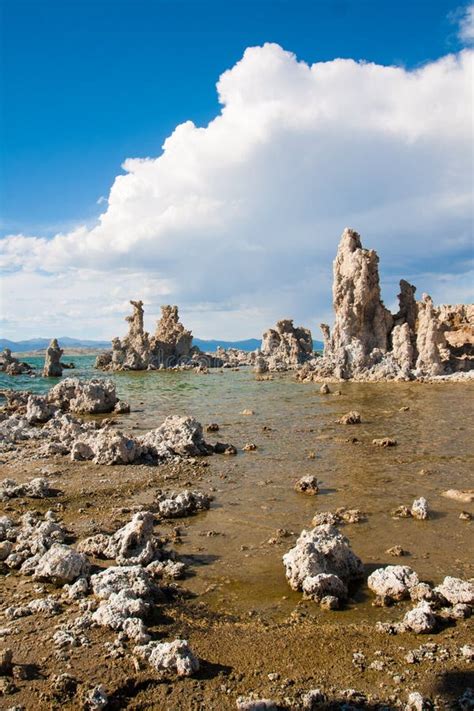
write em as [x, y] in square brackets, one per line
[253, 634]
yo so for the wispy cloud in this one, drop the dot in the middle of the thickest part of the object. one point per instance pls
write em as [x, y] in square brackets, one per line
[466, 24]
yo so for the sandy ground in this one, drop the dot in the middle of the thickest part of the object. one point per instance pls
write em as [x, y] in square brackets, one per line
[237, 652]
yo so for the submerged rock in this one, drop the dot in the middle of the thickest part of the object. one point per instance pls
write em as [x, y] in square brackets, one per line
[307, 485]
[337, 517]
[464, 495]
[385, 442]
[350, 418]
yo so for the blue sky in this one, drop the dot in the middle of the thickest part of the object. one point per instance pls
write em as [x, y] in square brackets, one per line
[87, 83]
[210, 154]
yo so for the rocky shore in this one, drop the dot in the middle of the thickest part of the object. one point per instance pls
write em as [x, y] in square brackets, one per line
[96, 571]
[369, 343]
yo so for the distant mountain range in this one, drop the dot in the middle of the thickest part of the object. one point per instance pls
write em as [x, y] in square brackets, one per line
[40, 344]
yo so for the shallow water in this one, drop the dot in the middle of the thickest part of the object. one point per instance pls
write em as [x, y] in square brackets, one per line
[254, 495]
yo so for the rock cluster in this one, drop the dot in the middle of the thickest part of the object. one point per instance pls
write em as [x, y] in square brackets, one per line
[235, 357]
[284, 347]
[453, 599]
[122, 595]
[91, 397]
[48, 418]
[170, 346]
[322, 564]
[419, 510]
[38, 488]
[369, 343]
[11, 365]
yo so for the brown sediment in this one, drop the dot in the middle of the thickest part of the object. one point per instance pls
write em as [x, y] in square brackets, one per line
[235, 607]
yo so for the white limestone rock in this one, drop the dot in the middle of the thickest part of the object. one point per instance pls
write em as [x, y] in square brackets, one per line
[419, 509]
[38, 410]
[393, 582]
[250, 704]
[420, 619]
[61, 564]
[116, 578]
[320, 586]
[456, 590]
[38, 488]
[84, 396]
[173, 656]
[108, 446]
[134, 544]
[322, 550]
[417, 702]
[177, 435]
[183, 503]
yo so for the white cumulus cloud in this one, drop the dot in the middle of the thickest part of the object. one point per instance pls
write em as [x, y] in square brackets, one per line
[238, 221]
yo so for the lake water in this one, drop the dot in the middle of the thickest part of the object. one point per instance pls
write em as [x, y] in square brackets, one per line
[254, 493]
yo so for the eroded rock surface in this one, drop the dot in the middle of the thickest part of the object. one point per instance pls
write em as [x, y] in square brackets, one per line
[175, 656]
[100, 442]
[52, 362]
[285, 347]
[369, 343]
[61, 564]
[183, 503]
[317, 554]
[89, 397]
[138, 350]
[11, 365]
[393, 582]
